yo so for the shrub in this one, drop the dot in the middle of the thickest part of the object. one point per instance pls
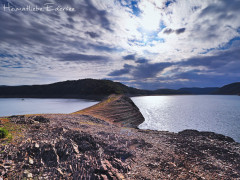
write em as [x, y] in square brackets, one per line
[3, 132]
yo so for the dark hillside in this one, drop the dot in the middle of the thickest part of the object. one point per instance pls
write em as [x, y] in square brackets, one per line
[230, 89]
[84, 88]
[196, 90]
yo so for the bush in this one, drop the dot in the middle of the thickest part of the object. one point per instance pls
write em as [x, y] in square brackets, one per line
[3, 132]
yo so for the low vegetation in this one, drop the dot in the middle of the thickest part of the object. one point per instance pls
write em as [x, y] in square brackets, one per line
[10, 130]
[3, 132]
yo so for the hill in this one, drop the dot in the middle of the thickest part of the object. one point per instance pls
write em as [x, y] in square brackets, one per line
[196, 90]
[230, 89]
[84, 88]
[75, 88]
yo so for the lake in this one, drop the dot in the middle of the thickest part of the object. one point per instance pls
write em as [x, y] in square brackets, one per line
[216, 113]
[220, 114]
[19, 106]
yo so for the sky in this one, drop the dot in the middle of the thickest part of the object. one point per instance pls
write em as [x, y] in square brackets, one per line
[147, 44]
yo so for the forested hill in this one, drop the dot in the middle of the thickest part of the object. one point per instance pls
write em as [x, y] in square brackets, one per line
[78, 88]
[97, 89]
[230, 89]
[196, 90]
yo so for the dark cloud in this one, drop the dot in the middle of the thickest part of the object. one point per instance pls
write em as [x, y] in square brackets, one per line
[92, 34]
[98, 16]
[70, 20]
[15, 30]
[70, 26]
[129, 57]
[141, 60]
[99, 47]
[220, 69]
[89, 12]
[149, 70]
[177, 31]
[168, 31]
[216, 61]
[126, 70]
[82, 57]
[199, 79]
[141, 70]
[7, 56]
[221, 8]
[66, 2]
[223, 15]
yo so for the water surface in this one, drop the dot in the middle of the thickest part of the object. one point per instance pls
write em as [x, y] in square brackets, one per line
[19, 106]
[216, 113]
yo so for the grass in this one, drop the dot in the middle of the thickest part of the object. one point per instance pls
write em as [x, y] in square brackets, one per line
[3, 132]
[90, 123]
[92, 111]
[10, 131]
[102, 104]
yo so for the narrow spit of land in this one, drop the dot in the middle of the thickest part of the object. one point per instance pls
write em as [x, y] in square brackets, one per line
[103, 142]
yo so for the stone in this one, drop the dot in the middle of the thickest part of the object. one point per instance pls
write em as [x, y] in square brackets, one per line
[48, 155]
[36, 145]
[30, 160]
[41, 119]
[29, 175]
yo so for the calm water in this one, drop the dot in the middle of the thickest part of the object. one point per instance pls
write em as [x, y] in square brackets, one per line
[220, 114]
[18, 106]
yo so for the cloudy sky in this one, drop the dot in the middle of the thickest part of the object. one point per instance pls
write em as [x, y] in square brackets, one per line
[147, 44]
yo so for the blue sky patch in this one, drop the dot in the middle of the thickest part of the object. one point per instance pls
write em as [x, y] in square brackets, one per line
[168, 3]
[133, 5]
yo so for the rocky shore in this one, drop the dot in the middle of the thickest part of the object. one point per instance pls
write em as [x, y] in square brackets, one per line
[84, 146]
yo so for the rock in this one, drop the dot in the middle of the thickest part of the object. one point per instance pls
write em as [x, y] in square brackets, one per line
[64, 149]
[84, 141]
[30, 160]
[27, 174]
[60, 172]
[104, 177]
[41, 119]
[210, 135]
[36, 145]
[48, 155]
[120, 176]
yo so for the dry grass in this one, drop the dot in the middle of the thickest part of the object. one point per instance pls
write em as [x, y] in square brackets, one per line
[91, 111]
[99, 105]
[15, 131]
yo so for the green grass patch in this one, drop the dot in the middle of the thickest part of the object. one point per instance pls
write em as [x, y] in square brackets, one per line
[10, 132]
[3, 132]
